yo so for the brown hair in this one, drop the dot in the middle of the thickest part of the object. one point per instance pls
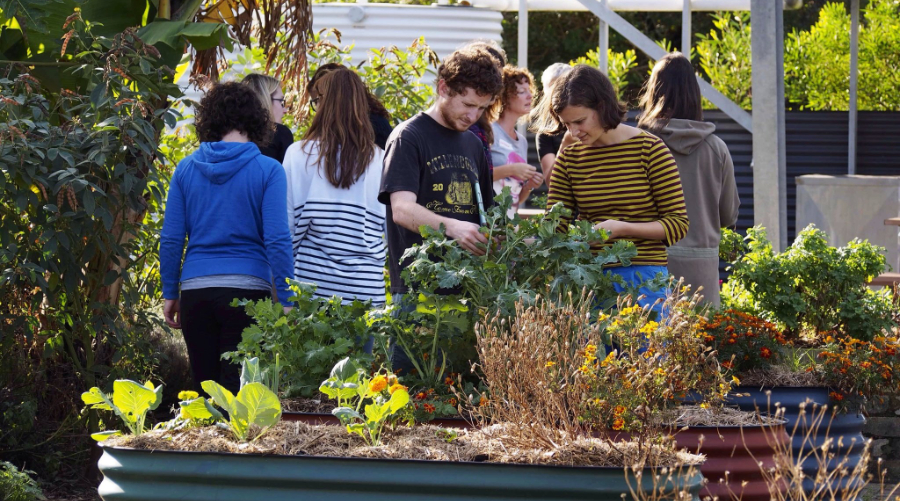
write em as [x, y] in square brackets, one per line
[512, 76]
[230, 107]
[499, 56]
[342, 128]
[471, 68]
[375, 105]
[584, 86]
[671, 92]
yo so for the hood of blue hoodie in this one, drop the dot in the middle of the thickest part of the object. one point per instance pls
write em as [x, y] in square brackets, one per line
[220, 161]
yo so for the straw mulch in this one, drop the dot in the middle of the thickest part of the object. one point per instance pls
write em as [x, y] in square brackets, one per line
[490, 444]
[779, 376]
[311, 405]
[694, 415]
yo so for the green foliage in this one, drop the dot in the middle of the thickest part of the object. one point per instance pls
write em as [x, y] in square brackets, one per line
[817, 61]
[193, 412]
[131, 401]
[619, 66]
[350, 385]
[305, 341]
[254, 406]
[743, 341]
[400, 78]
[526, 257]
[17, 485]
[812, 287]
[77, 171]
[725, 56]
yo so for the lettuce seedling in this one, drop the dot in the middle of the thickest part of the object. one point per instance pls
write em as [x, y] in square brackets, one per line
[254, 405]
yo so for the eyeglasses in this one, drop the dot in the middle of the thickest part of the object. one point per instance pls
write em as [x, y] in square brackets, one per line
[279, 100]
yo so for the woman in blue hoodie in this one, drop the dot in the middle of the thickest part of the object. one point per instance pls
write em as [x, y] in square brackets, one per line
[229, 201]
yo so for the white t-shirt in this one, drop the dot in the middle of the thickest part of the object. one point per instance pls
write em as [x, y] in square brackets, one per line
[338, 234]
[507, 150]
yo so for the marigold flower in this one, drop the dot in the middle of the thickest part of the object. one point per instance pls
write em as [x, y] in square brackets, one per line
[397, 386]
[836, 396]
[728, 364]
[421, 395]
[618, 424]
[452, 401]
[550, 363]
[378, 384]
[482, 402]
[429, 408]
[448, 381]
[619, 410]
[649, 328]
[765, 352]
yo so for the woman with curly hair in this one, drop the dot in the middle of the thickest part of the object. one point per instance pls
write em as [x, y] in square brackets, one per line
[271, 97]
[510, 149]
[334, 175]
[228, 201]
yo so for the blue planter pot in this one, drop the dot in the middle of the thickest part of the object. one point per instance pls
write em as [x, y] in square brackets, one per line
[845, 428]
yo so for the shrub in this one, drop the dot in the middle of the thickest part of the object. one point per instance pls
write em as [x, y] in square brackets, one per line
[743, 341]
[307, 340]
[17, 485]
[812, 288]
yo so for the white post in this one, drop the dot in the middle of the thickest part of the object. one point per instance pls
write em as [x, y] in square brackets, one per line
[854, 76]
[523, 34]
[603, 48]
[769, 162]
[686, 29]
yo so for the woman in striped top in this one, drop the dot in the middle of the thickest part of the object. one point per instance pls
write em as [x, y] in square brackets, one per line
[619, 177]
[334, 175]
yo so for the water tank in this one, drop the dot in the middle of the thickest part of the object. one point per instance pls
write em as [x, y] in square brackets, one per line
[372, 26]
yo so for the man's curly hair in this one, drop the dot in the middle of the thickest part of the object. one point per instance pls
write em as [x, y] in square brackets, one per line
[471, 68]
[232, 106]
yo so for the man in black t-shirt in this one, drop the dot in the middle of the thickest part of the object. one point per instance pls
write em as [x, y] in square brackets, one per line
[433, 165]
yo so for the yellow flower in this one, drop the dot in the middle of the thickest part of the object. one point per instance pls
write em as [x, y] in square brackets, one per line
[397, 386]
[590, 349]
[619, 410]
[188, 395]
[735, 380]
[550, 363]
[649, 328]
[618, 424]
[608, 360]
[378, 384]
[704, 405]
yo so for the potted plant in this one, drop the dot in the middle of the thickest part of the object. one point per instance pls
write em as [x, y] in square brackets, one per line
[802, 326]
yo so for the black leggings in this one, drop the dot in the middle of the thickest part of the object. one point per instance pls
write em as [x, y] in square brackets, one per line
[211, 327]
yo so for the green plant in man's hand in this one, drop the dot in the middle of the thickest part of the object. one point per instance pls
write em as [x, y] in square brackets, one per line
[131, 401]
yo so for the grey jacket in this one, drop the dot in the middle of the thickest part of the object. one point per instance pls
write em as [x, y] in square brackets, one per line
[707, 178]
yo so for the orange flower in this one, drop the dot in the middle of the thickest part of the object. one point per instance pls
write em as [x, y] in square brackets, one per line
[482, 402]
[448, 381]
[397, 386]
[452, 401]
[421, 395]
[619, 410]
[765, 352]
[836, 396]
[429, 408]
[378, 384]
[728, 364]
[618, 424]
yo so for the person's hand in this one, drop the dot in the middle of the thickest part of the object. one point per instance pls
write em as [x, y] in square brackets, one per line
[287, 309]
[522, 171]
[614, 228]
[172, 313]
[467, 235]
[536, 180]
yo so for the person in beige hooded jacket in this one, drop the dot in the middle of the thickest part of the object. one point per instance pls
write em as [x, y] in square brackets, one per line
[672, 110]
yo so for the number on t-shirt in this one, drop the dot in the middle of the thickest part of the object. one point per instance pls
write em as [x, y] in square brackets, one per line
[437, 187]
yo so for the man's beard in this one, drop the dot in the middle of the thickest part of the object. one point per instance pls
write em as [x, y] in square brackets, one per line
[454, 124]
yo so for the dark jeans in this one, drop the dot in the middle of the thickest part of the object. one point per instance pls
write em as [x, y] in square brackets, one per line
[211, 327]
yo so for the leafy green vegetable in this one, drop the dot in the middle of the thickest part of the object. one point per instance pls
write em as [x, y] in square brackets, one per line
[131, 401]
[254, 405]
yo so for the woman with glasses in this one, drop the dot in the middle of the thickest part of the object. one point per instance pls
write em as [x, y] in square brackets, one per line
[334, 175]
[271, 96]
[509, 151]
[379, 116]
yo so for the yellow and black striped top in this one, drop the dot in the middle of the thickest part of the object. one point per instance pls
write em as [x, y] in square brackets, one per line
[634, 181]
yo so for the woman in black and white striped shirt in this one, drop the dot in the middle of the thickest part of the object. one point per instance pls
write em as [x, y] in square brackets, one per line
[334, 175]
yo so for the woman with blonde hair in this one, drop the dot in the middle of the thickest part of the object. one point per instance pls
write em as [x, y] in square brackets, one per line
[334, 175]
[672, 111]
[271, 97]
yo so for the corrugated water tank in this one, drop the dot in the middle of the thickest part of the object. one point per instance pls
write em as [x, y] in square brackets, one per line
[373, 26]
